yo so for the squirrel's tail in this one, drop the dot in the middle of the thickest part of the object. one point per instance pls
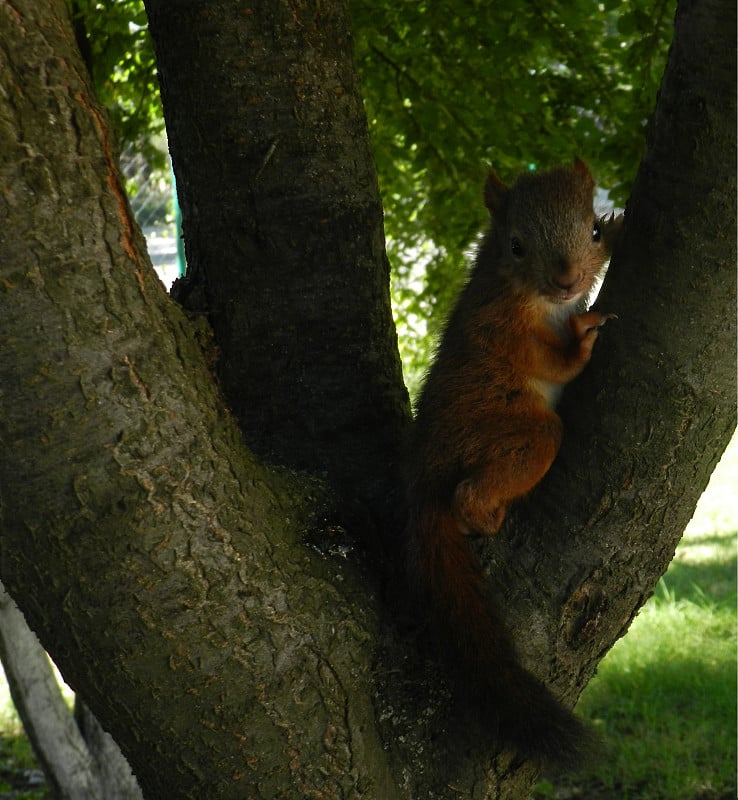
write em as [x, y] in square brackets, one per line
[450, 585]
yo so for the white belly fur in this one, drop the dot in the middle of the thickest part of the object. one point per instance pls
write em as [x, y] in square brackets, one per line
[551, 392]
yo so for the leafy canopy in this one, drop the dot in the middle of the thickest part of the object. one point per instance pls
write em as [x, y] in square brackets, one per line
[450, 89]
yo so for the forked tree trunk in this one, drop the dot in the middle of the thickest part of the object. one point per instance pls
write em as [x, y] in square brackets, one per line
[161, 563]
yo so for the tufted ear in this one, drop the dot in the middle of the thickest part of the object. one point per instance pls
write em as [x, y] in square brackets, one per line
[495, 192]
[582, 171]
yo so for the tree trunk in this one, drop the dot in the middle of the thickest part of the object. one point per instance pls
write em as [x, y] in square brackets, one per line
[283, 230]
[162, 564]
[113, 771]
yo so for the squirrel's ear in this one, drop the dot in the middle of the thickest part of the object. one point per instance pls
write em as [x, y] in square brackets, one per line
[580, 167]
[582, 170]
[494, 193]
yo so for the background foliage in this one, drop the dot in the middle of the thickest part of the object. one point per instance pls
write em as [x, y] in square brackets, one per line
[450, 88]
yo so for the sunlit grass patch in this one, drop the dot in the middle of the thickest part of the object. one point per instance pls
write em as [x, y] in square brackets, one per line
[665, 701]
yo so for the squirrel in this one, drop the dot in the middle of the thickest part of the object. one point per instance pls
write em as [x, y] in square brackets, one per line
[486, 432]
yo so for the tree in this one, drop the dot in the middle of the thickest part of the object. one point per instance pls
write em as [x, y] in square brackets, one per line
[187, 548]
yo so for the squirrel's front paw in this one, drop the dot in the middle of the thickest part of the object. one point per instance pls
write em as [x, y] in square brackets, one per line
[589, 323]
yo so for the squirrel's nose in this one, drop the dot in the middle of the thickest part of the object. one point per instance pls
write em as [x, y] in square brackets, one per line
[565, 282]
[564, 275]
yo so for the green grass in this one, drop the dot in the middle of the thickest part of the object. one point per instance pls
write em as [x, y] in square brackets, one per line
[664, 697]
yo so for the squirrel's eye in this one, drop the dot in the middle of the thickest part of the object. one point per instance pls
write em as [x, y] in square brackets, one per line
[596, 232]
[516, 247]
